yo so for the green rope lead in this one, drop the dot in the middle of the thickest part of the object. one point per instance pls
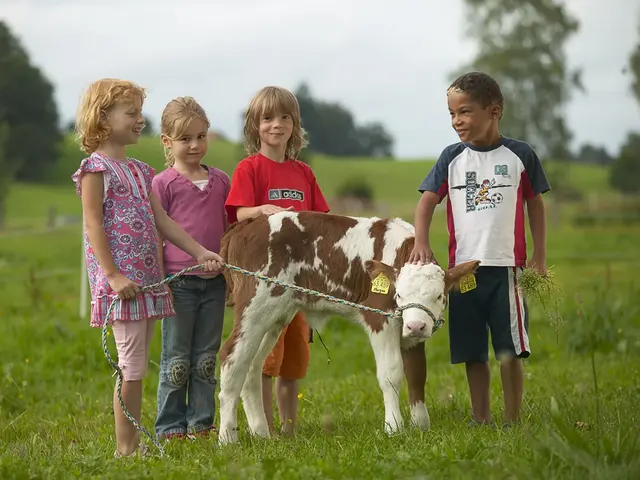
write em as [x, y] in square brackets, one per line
[397, 313]
[117, 368]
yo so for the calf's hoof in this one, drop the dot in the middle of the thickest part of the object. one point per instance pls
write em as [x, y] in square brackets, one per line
[422, 423]
[420, 416]
[228, 436]
[392, 428]
[261, 431]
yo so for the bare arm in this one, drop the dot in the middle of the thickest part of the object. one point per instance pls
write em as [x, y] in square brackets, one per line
[423, 216]
[163, 272]
[92, 190]
[537, 223]
[422, 220]
[160, 254]
[242, 213]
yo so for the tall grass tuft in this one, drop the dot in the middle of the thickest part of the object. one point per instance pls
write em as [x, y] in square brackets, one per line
[601, 448]
[546, 291]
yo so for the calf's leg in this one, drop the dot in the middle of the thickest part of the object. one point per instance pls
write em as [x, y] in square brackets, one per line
[415, 370]
[234, 371]
[252, 389]
[386, 349]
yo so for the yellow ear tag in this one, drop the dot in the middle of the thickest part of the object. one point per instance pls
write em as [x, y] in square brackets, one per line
[467, 283]
[380, 284]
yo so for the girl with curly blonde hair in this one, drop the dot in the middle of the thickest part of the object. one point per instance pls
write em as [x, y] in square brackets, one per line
[122, 220]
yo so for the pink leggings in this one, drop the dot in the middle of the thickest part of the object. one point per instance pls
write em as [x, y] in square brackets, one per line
[133, 339]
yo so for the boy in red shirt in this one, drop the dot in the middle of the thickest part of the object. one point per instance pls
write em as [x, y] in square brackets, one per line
[271, 180]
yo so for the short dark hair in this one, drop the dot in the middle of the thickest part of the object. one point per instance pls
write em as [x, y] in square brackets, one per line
[482, 88]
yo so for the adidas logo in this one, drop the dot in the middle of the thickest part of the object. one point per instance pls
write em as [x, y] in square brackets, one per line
[286, 194]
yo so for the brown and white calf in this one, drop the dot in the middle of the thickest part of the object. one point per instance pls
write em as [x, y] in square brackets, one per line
[340, 256]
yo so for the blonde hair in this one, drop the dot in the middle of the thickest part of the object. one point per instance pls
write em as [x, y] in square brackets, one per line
[98, 99]
[176, 118]
[268, 101]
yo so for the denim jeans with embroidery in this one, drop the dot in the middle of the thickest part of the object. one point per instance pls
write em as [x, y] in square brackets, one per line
[190, 344]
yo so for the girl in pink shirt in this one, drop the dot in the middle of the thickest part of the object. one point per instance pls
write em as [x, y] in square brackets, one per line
[193, 194]
[121, 221]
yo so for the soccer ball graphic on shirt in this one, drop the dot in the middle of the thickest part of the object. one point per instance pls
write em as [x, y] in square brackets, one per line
[483, 195]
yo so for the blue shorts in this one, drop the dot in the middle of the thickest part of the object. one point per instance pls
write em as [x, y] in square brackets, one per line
[495, 305]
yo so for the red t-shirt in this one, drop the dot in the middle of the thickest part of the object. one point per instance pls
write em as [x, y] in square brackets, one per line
[258, 180]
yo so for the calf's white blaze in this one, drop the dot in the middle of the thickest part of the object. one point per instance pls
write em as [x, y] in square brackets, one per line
[422, 284]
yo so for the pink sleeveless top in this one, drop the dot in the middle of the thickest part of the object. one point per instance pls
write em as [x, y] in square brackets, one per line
[129, 225]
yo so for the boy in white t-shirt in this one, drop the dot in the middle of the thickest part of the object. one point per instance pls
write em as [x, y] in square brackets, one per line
[488, 179]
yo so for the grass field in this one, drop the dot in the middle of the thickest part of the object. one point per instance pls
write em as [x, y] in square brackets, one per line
[393, 183]
[582, 390]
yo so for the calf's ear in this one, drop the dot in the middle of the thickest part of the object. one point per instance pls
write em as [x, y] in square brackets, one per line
[374, 268]
[453, 275]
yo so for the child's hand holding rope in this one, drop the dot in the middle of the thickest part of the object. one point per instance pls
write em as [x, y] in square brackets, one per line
[210, 261]
[125, 288]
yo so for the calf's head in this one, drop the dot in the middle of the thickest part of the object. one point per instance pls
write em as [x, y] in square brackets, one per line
[426, 285]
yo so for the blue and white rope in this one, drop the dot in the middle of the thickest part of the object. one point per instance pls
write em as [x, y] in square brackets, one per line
[395, 314]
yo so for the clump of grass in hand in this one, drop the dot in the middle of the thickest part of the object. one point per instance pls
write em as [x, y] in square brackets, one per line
[545, 290]
[542, 286]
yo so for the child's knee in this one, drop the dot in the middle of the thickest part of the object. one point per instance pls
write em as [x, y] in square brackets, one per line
[133, 371]
[205, 368]
[176, 372]
[509, 360]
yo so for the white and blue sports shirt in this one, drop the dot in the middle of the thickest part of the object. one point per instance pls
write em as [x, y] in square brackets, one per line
[487, 188]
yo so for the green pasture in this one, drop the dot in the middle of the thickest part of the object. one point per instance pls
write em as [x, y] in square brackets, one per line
[582, 388]
[394, 183]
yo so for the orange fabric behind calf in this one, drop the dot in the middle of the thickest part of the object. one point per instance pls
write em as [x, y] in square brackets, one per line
[290, 357]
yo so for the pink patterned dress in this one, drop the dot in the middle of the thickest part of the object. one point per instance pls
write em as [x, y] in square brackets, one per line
[129, 224]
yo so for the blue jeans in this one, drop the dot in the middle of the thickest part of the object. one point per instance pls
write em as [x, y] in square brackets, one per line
[190, 344]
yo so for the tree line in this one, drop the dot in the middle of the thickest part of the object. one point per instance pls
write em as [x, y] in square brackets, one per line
[521, 44]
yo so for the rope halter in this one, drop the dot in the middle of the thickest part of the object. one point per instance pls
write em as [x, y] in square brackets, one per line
[437, 322]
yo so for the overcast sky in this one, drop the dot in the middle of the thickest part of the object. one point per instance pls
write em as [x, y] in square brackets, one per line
[384, 60]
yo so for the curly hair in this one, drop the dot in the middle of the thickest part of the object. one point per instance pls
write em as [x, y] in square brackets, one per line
[98, 99]
[481, 88]
[267, 101]
[176, 118]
